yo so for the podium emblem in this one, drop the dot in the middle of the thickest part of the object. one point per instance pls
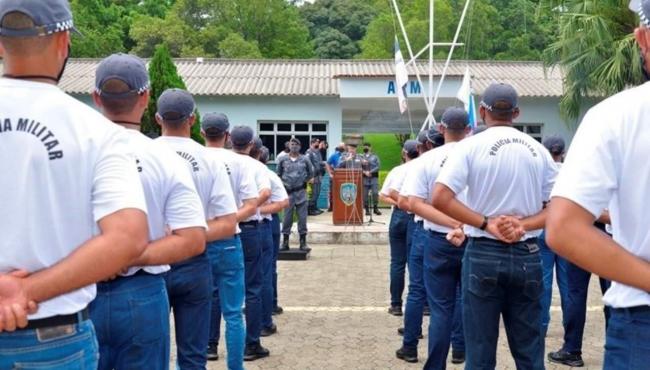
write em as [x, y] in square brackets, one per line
[348, 193]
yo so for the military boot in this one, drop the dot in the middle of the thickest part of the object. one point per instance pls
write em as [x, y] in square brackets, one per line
[376, 210]
[285, 242]
[303, 243]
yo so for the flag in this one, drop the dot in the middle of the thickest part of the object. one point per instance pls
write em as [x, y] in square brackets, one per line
[465, 95]
[401, 78]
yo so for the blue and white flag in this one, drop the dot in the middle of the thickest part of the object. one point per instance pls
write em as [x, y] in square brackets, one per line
[465, 95]
[401, 78]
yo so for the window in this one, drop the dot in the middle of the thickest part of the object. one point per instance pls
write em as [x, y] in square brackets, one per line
[532, 129]
[275, 134]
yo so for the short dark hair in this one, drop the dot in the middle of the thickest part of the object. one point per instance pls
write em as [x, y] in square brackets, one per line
[214, 134]
[367, 144]
[117, 104]
[23, 45]
[505, 114]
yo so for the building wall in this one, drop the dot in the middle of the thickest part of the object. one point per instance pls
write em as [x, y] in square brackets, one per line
[546, 111]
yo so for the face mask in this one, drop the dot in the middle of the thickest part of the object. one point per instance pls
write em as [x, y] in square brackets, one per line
[366, 150]
[294, 149]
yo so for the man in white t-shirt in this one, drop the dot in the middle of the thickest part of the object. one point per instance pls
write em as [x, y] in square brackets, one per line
[278, 201]
[243, 142]
[399, 232]
[439, 259]
[189, 283]
[73, 210]
[508, 176]
[613, 139]
[131, 311]
[227, 256]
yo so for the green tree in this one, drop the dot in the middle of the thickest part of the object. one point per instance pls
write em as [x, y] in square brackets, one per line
[235, 47]
[596, 50]
[164, 75]
[333, 44]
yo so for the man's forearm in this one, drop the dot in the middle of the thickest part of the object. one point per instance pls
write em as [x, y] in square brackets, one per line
[179, 246]
[536, 221]
[97, 259]
[265, 194]
[222, 227]
[387, 200]
[429, 213]
[274, 207]
[458, 211]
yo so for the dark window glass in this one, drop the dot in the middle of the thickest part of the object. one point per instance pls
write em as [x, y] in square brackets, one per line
[319, 127]
[303, 127]
[267, 127]
[285, 127]
[534, 129]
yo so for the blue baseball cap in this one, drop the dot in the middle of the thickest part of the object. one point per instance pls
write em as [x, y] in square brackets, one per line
[422, 137]
[555, 144]
[175, 105]
[499, 97]
[455, 118]
[241, 136]
[411, 148]
[215, 123]
[49, 16]
[126, 68]
[258, 143]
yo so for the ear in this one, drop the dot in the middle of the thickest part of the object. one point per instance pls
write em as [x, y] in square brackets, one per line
[62, 42]
[515, 114]
[159, 120]
[467, 130]
[143, 100]
[203, 134]
[191, 120]
[97, 100]
[482, 113]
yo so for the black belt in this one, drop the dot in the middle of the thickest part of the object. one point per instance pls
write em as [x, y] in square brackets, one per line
[633, 310]
[249, 223]
[49, 322]
[293, 190]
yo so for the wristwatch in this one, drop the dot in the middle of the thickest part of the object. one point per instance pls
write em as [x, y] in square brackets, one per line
[485, 223]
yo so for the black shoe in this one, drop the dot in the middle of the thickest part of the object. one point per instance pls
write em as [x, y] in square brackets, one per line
[213, 352]
[303, 243]
[367, 212]
[312, 213]
[407, 355]
[254, 352]
[400, 331]
[329, 209]
[457, 357]
[395, 310]
[267, 332]
[376, 211]
[277, 311]
[318, 211]
[426, 311]
[285, 242]
[566, 358]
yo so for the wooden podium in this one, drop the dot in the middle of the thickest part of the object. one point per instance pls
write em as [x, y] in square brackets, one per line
[347, 197]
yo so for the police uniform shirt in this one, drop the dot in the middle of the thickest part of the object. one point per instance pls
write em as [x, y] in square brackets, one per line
[209, 175]
[63, 167]
[505, 171]
[607, 166]
[278, 192]
[423, 177]
[262, 180]
[172, 199]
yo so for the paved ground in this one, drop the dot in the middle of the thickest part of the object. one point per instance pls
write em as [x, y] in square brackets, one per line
[335, 317]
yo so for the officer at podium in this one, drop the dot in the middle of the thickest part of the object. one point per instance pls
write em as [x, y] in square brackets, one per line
[351, 160]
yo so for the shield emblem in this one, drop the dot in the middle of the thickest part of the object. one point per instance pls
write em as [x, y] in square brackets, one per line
[348, 193]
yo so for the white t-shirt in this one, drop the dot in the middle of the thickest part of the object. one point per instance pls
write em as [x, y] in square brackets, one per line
[262, 180]
[505, 171]
[242, 178]
[63, 167]
[278, 192]
[394, 179]
[172, 199]
[607, 166]
[209, 175]
[422, 178]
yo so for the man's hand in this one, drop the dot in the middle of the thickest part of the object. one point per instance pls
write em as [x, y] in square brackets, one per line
[506, 228]
[456, 237]
[14, 303]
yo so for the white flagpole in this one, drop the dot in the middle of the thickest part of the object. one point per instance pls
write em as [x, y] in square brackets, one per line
[430, 118]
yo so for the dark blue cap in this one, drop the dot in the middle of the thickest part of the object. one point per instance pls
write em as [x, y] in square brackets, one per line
[435, 137]
[123, 67]
[49, 16]
[422, 137]
[411, 147]
[175, 105]
[295, 140]
[499, 97]
[264, 154]
[215, 122]
[258, 143]
[455, 118]
[241, 136]
[555, 144]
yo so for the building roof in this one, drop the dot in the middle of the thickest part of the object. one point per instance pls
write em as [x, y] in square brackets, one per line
[228, 77]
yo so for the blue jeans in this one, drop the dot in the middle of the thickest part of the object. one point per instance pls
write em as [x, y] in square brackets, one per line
[442, 273]
[252, 245]
[189, 285]
[501, 279]
[416, 297]
[575, 310]
[551, 261]
[275, 229]
[23, 349]
[398, 234]
[227, 260]
[627, 346]
[266, 237]
[131, 317]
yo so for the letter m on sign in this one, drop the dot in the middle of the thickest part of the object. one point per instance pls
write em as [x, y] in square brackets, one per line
[416, 88]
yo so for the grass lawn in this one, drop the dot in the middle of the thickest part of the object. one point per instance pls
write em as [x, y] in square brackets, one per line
[387, 149]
